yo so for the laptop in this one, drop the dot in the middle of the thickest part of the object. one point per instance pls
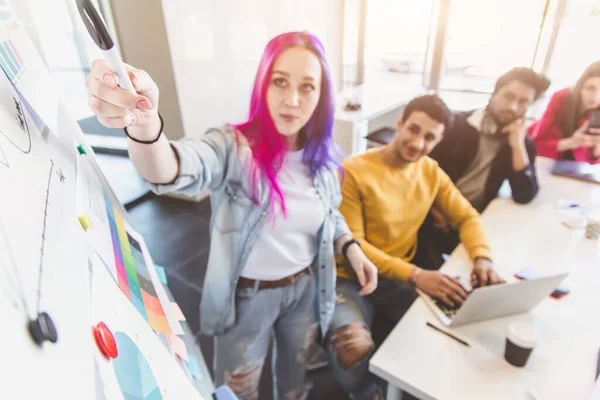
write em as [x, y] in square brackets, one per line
[495, 301]
[578, 170]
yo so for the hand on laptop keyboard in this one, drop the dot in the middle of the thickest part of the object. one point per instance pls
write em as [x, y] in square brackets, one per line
[484, 274]
[441, 286]
[451, 310]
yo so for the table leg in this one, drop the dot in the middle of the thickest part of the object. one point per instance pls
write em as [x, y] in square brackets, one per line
[343, 134]
[393, 393]
[350, 136]
[359, 133]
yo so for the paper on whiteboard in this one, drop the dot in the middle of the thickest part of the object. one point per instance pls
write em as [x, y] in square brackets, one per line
[136, 275]
[170, 314]
[16, 126]
[90, 202]
[26, 71]
[144, 366]
[37, 204]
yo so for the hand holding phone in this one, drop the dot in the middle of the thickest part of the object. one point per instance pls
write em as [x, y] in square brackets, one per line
[594, 123]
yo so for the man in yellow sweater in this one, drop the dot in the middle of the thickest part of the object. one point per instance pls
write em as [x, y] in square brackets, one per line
[387, 194]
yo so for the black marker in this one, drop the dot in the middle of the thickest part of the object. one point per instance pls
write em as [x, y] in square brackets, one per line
[429, 324]
[97, 30]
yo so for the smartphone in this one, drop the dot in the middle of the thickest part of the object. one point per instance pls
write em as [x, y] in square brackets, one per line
[594, 122]
[530, 273]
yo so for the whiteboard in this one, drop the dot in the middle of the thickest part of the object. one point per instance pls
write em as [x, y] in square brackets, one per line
[49, 180]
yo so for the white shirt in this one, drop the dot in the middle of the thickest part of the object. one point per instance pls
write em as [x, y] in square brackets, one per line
[287, 245]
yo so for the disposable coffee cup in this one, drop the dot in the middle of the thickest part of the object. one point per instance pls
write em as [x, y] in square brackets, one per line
[520, 341]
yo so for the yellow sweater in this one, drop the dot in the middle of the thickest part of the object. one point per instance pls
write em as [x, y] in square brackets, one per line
[385, 207]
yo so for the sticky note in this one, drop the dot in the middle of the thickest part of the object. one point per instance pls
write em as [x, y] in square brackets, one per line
[162, 275]
[185, 366]
[193, 366]
[178, 346]
[85, 222]
[177, 311]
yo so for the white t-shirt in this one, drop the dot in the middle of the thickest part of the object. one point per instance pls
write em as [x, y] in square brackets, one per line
[288, 245]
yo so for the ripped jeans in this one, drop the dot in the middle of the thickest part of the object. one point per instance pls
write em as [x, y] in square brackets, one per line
[288, 315]
[389, 302]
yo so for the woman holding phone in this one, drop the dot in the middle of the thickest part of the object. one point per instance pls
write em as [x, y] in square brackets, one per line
[564, 131]
[275, 223]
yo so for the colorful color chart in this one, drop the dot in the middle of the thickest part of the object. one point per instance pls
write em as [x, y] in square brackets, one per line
[133, 372]
[11, 61]
[133, 276]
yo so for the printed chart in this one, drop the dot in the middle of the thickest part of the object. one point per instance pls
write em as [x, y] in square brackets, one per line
[133, 276]
[136, 380]
[144, 367]
[14, 128]
[11, 61]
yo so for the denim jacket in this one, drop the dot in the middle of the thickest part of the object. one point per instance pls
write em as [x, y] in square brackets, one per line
[218, 163]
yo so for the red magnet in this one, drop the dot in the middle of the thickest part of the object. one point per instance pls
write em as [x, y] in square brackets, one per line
[105, 341]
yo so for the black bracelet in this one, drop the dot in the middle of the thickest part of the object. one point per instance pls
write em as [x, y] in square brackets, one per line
[162, 124]
[346, 245]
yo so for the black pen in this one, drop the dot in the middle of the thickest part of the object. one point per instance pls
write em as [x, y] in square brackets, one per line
[429, 324]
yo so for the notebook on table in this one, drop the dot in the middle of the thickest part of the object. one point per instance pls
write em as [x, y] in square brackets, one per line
[578, 170]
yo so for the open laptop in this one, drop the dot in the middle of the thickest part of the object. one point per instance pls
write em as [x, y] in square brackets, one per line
[578, 170]
[495, 301]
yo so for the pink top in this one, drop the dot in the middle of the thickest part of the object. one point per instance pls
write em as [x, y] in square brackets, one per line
[546, 131]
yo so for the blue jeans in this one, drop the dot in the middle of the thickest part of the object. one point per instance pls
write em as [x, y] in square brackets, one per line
[379, 312]
[288, 315]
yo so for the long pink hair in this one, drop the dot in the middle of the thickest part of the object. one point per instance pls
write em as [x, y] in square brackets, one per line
[267, 144]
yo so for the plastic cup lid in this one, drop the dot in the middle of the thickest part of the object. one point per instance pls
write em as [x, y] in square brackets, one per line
[522, 334]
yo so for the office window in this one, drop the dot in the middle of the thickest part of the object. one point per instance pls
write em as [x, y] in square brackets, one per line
[350, 42]
[396, 39]
[486, 38]
[577, 42]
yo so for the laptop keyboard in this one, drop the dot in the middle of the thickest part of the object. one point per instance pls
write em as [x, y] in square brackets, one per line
[450, 311]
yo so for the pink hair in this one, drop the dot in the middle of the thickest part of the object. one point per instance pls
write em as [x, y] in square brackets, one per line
[267, 144]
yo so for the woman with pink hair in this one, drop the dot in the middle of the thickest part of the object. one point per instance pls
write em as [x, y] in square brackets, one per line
[275, 223]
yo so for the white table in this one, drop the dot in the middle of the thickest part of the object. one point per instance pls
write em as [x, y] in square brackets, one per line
[427, 364]
[381, 102]
[596, 392]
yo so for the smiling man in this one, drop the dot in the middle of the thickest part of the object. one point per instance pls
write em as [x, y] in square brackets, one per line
[387, 194]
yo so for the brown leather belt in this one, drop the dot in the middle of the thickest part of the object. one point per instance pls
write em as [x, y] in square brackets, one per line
[283, 282]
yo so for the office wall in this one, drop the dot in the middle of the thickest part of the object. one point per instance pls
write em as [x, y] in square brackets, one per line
[215, 48]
